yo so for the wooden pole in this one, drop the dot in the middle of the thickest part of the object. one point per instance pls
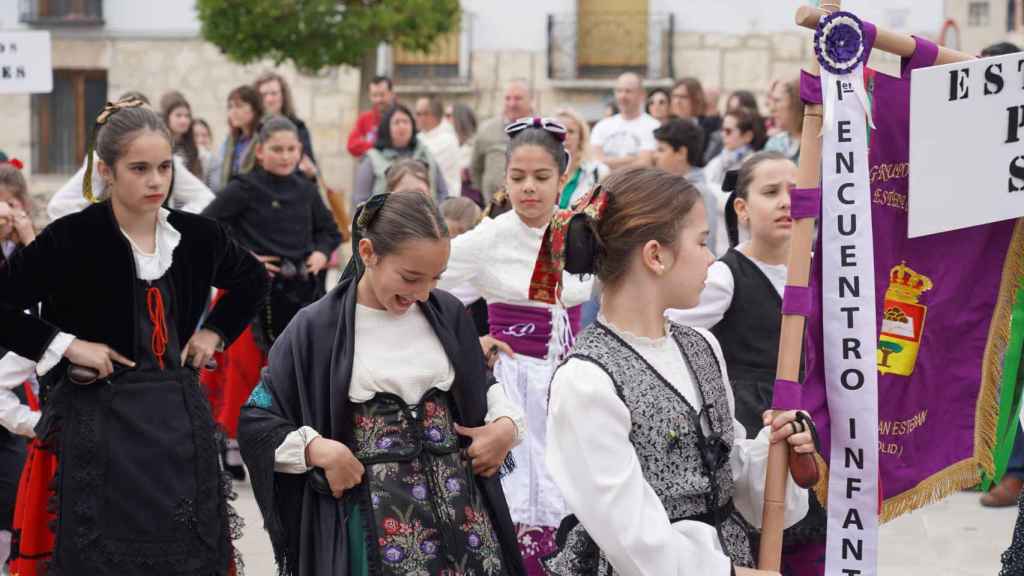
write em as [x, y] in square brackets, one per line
[886, 40]
[791, 338]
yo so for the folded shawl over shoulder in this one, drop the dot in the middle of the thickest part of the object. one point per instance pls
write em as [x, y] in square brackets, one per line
[306, 383]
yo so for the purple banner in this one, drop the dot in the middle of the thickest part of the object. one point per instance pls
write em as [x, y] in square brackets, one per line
[943, 313]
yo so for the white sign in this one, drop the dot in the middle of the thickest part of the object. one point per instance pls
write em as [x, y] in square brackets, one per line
[848, 328]
[25, 63]
[966, 144]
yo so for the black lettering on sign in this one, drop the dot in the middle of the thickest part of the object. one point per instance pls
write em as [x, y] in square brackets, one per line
[851, 572]
[852, 485]
[853, 428]
[1014, 123]
[844, 162]
[844, 130]
[1016, 182]
[849, 289]
[852, 379]
[847, 255]
[849, 315]
[851, 347]
[958, 83]
[850, 550]
[848, 229]
[842, 189]
[855, 457]
[852, 519]
[993, 79]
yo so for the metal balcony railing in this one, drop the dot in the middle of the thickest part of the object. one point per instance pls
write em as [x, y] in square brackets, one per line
[605, 44]
[62, 12]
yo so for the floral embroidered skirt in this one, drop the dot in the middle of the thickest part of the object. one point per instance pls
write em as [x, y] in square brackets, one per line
[422, 512]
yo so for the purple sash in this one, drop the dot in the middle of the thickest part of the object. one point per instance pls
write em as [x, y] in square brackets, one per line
[527, 329]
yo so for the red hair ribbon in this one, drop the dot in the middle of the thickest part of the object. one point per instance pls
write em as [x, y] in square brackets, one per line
[14, 162]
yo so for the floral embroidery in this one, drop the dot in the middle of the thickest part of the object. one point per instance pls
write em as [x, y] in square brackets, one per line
[424, 521]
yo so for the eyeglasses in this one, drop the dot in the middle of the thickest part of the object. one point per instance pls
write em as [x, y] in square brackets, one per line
[549, 125]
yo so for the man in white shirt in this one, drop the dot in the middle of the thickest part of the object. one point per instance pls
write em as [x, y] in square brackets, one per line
[626, 139]
[439, 137]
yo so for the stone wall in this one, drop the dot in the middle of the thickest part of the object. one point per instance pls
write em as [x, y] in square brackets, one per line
[328, 102]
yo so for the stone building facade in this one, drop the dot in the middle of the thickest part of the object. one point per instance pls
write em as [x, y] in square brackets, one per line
[566, 49]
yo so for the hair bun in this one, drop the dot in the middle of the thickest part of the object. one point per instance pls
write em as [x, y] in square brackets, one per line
[729, 182]
[581, 246]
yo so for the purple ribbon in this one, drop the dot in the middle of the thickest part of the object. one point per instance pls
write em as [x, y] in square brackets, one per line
[787, 395]
[810, 88]
[797, 301]
[805, 203]
[527, 329]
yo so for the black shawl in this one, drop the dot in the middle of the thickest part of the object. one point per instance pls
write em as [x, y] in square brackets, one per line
[307, 378]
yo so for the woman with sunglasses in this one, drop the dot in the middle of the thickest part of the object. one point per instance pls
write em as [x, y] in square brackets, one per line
[527, 337]
[396, 139]
[743, 133]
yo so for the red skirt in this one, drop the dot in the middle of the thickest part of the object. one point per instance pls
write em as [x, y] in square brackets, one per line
[237, 374]
[33, 540]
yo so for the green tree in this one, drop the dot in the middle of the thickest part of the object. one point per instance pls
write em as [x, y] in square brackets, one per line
[316, 34]
[888, 349]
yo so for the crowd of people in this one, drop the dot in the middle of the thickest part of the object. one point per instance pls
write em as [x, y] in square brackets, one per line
[552, 351]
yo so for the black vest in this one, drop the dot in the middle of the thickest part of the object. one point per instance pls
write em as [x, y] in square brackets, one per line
[749, 335]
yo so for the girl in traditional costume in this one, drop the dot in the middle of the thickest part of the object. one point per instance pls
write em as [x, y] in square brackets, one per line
[497, 259]
[278, 214]
[642, 436]
[741, 304]
[374, 439]
[188, 192]
[123, 285]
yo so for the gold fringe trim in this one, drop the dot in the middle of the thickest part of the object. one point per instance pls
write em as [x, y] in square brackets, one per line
[963, 474]
[821, 488]
[966, 473]
[986, 416]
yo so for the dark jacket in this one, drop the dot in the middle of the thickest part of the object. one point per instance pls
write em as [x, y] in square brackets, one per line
[276, 215]
[308, 378]
[82, 270]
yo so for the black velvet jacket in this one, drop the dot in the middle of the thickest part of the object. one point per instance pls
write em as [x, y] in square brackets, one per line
[82, 270]
[308, 378]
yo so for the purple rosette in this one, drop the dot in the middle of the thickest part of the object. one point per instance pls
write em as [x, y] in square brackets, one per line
[839, 42]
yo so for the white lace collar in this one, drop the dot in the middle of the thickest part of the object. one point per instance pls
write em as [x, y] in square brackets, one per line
[633, 339]
[152, 266]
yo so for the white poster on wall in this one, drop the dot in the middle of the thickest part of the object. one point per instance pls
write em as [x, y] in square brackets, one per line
[25, 66]
[966, 144]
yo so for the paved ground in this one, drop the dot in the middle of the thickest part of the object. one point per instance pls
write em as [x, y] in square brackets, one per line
[955, 537]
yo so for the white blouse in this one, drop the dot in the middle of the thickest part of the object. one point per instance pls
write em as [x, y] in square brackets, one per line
[591, 459]
[16, 370]
[716, 298]
[401, 355]
[497, 258]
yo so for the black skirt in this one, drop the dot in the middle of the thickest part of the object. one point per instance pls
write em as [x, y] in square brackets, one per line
[139, 488]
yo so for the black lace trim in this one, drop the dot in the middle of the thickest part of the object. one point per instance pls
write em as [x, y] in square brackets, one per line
[210, 524]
